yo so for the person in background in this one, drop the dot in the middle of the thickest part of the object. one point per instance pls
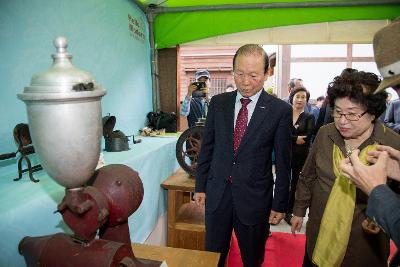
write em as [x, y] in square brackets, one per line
[392, 116]
[293, 84]
[272, 64]
[324, 116]
[234, 177]
[194, 106]
[388, 100]
[315, 109]
[302, 130]
[338, 231]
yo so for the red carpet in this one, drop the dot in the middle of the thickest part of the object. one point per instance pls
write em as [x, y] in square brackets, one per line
[282, 250]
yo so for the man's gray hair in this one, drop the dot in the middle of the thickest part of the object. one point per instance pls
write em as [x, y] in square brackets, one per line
[252, 49]
[292, 82]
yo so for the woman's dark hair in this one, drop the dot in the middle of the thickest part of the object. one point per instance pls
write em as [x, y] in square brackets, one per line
[359, 87]
[348, 71]
[295, 91]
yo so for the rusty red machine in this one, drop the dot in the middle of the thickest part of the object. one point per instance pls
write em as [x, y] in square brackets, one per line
[96, 202]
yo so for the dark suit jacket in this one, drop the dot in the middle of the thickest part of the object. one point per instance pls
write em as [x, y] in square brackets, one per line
[384, 208]
[392, 116]
[251, 167]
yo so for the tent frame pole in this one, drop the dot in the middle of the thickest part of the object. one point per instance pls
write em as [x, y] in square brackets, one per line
[153, 57]
[154, 65]
[158, 10]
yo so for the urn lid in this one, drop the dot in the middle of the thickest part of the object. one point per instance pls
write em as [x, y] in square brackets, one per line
[62, 80]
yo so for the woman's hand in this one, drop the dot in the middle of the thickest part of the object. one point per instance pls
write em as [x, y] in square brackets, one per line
[296, 222]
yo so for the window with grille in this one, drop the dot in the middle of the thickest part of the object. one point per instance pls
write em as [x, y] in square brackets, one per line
[217, 86]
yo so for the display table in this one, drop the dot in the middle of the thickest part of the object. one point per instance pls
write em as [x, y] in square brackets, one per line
[176, 257]
[27, 208]
[185, 219]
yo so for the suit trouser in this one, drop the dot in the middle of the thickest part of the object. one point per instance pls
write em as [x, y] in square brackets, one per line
[219, 226]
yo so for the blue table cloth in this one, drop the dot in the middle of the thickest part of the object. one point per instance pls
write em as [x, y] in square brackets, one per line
[27, 208]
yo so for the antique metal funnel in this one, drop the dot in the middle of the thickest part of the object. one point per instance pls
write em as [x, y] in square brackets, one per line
[64, 115]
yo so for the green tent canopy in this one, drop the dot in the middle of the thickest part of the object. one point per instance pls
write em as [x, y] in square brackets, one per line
[182, 21]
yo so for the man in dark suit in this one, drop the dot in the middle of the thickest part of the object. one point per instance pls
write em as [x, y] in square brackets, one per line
[234, 173]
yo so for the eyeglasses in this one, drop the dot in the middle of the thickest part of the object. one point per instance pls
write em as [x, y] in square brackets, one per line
[253, 76]
[349, 116]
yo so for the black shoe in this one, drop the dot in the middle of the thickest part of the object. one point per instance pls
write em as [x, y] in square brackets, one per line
[287, 218]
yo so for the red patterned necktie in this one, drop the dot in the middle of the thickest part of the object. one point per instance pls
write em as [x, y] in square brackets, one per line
[241, 123]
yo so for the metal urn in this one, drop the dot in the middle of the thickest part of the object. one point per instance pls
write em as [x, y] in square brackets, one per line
[64, 115]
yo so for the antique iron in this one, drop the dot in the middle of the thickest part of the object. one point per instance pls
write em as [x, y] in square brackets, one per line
[115, 141]
[23, 140]
[64, 113]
